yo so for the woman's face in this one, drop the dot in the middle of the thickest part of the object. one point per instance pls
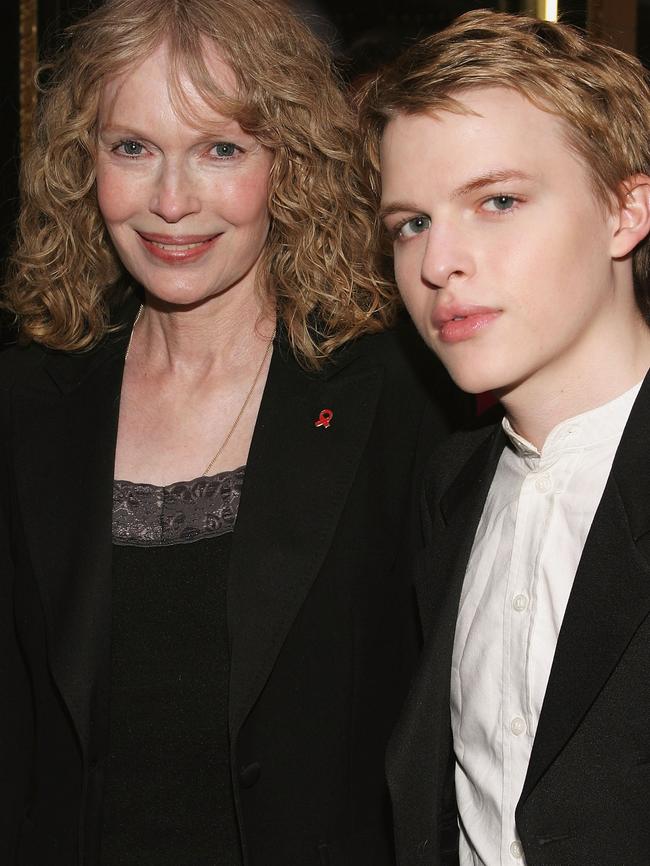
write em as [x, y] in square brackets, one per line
[185, 204]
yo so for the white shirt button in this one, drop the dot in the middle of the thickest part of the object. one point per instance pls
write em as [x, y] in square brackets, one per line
[543, 484]
[516, 850]
[517, 726]
[520, 602]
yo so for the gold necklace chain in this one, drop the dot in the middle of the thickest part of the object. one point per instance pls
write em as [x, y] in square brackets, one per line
[241, 411]
[244, 404]
[137, 319]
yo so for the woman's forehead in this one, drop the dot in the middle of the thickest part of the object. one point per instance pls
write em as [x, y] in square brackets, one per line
[196, 92]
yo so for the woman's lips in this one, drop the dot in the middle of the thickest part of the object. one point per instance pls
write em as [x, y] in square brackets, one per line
[460, 323]
[179, 249]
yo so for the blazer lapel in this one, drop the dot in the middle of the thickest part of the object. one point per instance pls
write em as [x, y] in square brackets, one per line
[418, 757]
[609, 599]
[440, 569]
[297, 479]
[65, 431]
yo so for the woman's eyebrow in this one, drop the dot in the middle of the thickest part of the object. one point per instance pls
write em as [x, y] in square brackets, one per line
[396, 207]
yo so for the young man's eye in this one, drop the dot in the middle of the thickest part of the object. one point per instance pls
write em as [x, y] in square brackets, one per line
[224, 149]
[500, 203]
[411, 227]
[129, 147]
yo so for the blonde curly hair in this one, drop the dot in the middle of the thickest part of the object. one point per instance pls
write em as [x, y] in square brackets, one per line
[64, 274]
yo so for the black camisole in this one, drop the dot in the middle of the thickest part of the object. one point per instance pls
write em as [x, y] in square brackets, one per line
[168, 794]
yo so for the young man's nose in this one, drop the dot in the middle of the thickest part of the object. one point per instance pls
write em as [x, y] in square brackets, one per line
[446, 256]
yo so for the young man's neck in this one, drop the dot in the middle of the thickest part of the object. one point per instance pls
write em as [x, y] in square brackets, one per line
[539, 404]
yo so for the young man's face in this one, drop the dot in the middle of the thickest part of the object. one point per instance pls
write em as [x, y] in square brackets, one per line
[502, 253]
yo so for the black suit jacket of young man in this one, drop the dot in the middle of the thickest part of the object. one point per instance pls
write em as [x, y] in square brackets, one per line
[586, 796]
[321, 611]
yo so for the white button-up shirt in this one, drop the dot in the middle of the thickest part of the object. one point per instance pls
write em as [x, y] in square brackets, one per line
[519, 576]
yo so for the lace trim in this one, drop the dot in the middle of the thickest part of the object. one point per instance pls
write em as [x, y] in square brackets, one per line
[147, 515]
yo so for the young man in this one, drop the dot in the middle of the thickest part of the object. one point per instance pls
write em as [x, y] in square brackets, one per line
[514, 161]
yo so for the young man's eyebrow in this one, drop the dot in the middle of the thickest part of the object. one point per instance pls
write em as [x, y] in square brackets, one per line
[474, 185]
[491, 177]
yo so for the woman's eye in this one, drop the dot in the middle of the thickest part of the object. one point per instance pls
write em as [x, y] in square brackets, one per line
[500, 203]
[414, 226]
[225, 149]
[130, 148]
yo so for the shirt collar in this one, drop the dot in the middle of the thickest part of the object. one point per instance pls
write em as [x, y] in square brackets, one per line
[582, 431]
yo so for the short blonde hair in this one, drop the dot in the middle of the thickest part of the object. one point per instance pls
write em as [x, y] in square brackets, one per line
[65, 273]
[601, 94]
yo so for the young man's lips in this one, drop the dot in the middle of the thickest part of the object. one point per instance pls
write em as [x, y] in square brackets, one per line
[458, 323]
[176, 248]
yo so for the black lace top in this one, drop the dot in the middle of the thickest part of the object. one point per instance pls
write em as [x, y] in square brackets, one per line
[168, 793]
[144, 514]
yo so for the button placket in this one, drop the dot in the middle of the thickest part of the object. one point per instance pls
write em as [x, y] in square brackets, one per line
[518, 726]
[520, 602]
[516, 850]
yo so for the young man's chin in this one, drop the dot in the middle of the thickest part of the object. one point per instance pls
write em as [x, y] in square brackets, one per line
[476, 379]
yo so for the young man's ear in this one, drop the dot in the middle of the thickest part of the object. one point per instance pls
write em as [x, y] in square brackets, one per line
[633, 215]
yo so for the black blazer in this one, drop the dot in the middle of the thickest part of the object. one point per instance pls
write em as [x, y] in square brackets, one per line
[585, 800]
[321, 616]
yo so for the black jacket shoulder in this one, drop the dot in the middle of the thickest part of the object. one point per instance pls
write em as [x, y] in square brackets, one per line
[18, 363]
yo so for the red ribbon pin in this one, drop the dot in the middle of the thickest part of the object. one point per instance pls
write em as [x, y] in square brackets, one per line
[324, 419]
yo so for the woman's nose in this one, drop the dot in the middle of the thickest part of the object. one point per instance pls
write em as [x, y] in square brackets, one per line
[174, 195]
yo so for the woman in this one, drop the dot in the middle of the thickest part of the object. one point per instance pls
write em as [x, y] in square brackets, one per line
[205, 668]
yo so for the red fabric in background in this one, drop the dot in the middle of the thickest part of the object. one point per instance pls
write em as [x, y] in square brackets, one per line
[485, 401]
